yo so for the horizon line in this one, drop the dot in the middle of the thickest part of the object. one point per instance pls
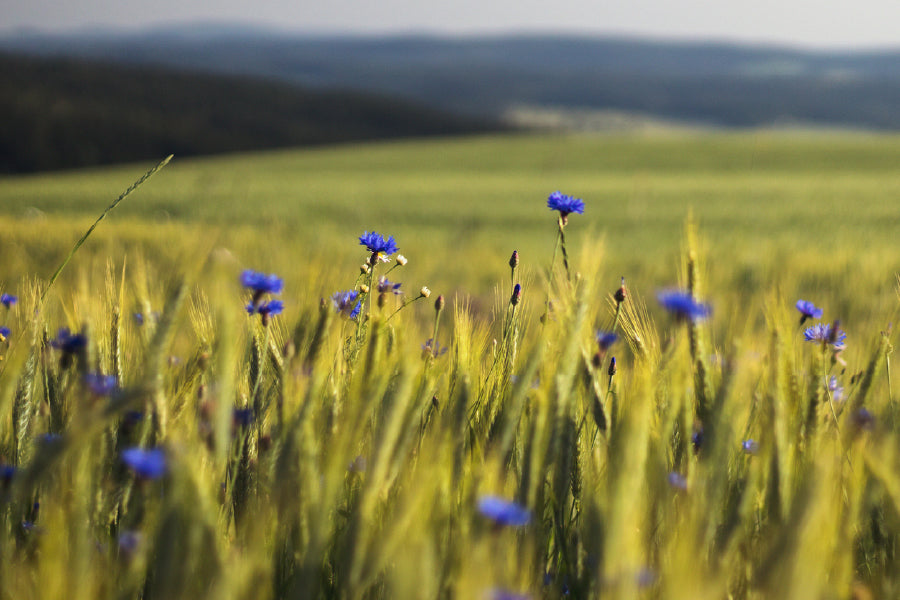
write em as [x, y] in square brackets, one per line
[183, 27]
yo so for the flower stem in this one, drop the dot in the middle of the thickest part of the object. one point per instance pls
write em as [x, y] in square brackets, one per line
[565, 255]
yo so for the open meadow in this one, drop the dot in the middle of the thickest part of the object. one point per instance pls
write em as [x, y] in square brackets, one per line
[205, 430]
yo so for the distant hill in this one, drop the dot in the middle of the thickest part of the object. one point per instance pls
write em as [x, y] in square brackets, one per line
[63, 113]
[713, 84]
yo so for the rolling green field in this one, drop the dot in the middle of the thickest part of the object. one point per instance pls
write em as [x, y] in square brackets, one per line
[318, 455]
[800, 212]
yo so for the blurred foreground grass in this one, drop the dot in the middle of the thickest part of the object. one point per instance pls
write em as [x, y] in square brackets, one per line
[320, 457]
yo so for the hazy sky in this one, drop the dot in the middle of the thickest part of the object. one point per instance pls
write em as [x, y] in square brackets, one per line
[818, 23]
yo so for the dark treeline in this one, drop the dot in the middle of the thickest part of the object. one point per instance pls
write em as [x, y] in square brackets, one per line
[59, 113]
[715, 84]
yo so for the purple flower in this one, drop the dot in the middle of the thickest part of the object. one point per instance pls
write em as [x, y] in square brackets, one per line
[677, 481]
[682, 305]
[387, 287]
[69, 342]
[503, 512]
[697, 439]
[5, 332]
[605, 339]
[822, 332]
[501, 594]
[566, 205]
[433, 348]
[863, 419]
[242, 417]
[101, 385]
[645, 578]
[750, 447]
[273, 307]
[808, 311]
[357, 465]
[261, 283]
[146, 464]
[377, 245]
[7, 472]
[516, 295]
[837, 391]
[8, 300]
[347, 303]
[129, 542]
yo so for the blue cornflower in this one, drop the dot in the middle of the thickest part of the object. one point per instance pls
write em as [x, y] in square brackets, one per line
[69, 342]
[141, 318]
[261, 283]
[516, 294]
[863, 419]
[357, 465]
[101, 385]
[822, 332]
[347, 303]
[645, 578]
[433, 348]
[605, 339]
[503, 512]
[7, 472]
[697, 439]
[129, 542]
[8, 300]
[501, 594]
[242, 417]
[677, 481]
[808, 310]
[565, 204]
[837, 391]
[387, 287]
[49, 438]
[272, 307]
[380, 248]
[131, 418]
[750, 446]
[146, 464]
[5, 332]
[682, 305]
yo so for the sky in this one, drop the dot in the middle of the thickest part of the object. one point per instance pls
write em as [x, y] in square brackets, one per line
[805, 23]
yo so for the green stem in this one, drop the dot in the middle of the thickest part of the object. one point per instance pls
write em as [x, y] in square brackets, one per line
[404, 305]
[562, 239]
[259, 374]
[90, 230]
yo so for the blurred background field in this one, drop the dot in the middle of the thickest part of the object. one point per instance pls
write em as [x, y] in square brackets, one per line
[806, 215]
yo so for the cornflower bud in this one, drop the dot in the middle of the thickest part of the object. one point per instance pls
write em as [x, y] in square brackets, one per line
[424, 292]
[364, 289]
[439, 303]
[612, 366]
[364, 269]
[620, 293]
[514, 260]
[516, 295]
